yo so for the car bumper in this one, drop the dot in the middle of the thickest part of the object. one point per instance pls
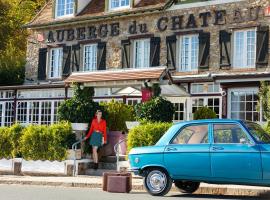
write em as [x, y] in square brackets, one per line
[136, 171]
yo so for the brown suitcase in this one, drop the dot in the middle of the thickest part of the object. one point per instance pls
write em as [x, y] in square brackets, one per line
[107, 174]
[118, 184]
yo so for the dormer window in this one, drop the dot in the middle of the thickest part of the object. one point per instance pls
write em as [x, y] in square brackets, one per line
[64, 8]
[119, 4]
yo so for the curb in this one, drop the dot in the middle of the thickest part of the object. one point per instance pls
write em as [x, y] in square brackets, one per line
[205, 189]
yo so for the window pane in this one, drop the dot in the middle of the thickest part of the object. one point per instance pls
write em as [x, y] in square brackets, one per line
[56, 63]
[229, 133]
[142, 53]
[64, 7]
[90, 57]
[195, 134]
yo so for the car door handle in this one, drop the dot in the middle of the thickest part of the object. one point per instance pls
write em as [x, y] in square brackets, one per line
[218, 148]
[171, 149]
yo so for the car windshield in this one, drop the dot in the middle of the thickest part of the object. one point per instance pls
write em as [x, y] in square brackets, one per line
[258, 133]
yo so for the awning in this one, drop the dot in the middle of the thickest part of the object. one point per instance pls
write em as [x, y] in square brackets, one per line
[127, 77]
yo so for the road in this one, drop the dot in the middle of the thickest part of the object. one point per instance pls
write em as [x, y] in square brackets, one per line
[19, 192]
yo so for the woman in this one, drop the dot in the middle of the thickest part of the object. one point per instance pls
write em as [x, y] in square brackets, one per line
[98, 135]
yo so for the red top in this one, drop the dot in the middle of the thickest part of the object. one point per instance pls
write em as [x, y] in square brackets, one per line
[98, 126]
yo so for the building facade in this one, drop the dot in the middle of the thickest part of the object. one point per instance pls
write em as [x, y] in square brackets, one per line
[203, 53]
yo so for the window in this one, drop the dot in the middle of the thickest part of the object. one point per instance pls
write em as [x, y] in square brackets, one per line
[229, 133]
[188, 52]
[210, 102]
[201, 88]
[179, 114]
[244, 48]
[243, 103]
[90, 57]
[258, 132]
[56, 60]
[195, 134]
[6, 113]
[141, 53]
[119, 4]
[64, 8]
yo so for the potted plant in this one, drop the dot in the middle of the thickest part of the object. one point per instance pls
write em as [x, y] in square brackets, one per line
[80, 109]
[117, 115]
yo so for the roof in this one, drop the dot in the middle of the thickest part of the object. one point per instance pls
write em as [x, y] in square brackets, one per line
[94, 11]
[118, 77]
[210, 121]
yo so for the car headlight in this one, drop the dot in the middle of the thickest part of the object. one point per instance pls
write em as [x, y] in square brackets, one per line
[137, 160]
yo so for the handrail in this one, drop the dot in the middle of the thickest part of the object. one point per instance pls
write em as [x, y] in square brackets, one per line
[74, 148]
[116, 150]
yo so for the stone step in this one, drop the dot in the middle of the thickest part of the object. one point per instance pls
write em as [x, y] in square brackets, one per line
[112, 159]
[110, 166]
[98, 172]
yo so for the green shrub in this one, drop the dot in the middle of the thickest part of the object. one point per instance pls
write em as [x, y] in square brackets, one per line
[80, 108]
[156, 110]
[16, 134]
[5, 143]
[146, 134]
[45, 142]
[118, 113]
[204, 113]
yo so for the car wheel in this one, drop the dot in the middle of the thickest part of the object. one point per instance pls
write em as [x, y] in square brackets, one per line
[187, 186]
[157, 182]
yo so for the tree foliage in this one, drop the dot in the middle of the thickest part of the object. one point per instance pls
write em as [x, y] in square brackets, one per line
[13, 38]
[264, 99]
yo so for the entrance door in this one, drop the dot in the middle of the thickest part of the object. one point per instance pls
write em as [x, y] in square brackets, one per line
[188, 154]
[233, 154]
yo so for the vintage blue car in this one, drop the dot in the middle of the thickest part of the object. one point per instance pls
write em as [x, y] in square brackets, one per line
[217, 151]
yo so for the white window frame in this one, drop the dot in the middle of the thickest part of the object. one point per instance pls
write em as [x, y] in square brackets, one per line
[245, 52]
[246, 89]
[60, 63]
[143, 53]
[95, 57]
[179, 53]
[65, 10]
[205, 86]
[205, 103]
[120, 7]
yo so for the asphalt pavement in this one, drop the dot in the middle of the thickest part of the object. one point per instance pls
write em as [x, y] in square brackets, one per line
[21, 192]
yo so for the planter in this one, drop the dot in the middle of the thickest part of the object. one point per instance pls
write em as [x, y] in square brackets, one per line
[71, 154]
[79, 126]
[132, 124]
[113, 138]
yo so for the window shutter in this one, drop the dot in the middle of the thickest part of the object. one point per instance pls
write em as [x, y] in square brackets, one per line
[101, 56]
[125, 53]
[225, 49]
[171, 51]
[262, 46]
[76, 57]
[66, 60]
[204, 48]
[42, 62]
[155, 51]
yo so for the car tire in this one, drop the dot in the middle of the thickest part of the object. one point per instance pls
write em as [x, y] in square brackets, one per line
[157, 182]
[188, 187]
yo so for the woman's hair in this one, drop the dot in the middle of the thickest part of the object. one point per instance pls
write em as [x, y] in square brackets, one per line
[98, 111]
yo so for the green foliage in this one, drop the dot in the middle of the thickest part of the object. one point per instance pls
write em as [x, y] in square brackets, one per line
[80, 108]
[45, 142]
[118, 113]
[13, 38]
[146, 134]
[156, 110]
[204, 113]
[15, 135]
[5, 143]
[264, 98]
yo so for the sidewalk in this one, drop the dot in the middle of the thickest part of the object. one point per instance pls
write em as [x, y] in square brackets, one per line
[96, 182]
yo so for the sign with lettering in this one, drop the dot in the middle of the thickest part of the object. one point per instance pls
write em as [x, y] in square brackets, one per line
[174, 23]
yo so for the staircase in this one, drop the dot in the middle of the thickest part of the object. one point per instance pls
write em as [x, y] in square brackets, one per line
[107, 164]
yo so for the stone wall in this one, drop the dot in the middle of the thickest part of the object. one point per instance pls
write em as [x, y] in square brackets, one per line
[114, 43]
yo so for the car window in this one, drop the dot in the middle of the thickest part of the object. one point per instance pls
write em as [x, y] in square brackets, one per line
[194, 134]
[258, 133]
[229, 133]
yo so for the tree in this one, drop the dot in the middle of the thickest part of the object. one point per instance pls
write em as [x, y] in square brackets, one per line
[204, 113]
[264, 99]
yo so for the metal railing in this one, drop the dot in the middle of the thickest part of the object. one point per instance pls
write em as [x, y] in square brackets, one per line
[74, 148]
[116, 150]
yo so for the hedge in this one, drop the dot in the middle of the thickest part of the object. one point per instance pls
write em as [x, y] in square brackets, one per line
[146, 134]
[36, 142]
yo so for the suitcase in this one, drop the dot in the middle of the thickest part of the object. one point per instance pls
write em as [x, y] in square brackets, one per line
[118, 184]
[107, 174]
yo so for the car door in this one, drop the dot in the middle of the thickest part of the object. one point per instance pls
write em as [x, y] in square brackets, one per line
[234, 155]
[188, 154]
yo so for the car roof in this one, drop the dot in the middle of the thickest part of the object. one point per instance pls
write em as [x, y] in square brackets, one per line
[211, 121]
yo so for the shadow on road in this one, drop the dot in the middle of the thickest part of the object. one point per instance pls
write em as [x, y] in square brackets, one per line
[208, 196]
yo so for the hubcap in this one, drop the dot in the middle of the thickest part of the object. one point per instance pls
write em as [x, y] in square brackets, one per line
[156, 181]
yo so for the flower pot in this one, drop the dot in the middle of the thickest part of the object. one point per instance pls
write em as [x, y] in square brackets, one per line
[132, 124]
[79, 126]
[70, 154]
